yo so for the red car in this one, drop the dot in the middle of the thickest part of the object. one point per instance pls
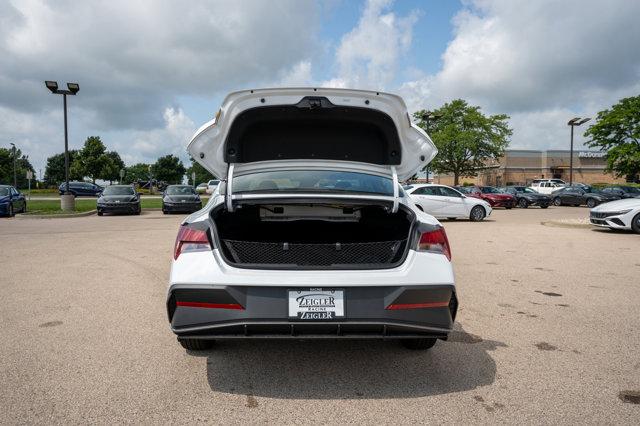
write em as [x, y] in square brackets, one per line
[491, 195]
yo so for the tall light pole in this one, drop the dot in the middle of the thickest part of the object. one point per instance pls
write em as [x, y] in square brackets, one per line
[428, 117]
[15, 175]
[577, 121]
[67, 200]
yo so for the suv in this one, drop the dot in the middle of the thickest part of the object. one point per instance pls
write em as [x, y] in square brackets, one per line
[311, 235]
[81, 188]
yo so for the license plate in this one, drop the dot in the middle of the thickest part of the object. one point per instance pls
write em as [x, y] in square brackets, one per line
[316, 304]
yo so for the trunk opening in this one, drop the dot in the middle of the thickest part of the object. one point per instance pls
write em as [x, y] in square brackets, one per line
[313, 236]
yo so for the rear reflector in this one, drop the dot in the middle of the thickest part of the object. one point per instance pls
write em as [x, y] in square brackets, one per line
[435, 241]
[397, 306]
[190, 239]
[210, 305]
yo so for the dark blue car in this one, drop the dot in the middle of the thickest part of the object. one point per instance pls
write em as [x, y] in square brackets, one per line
[79, 189]
[11, 201]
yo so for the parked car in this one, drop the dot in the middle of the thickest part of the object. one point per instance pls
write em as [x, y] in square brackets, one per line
[492, 195]
[620, 214]
[79, 189]
[12, 201]
[180, 198]
[442, 201]
[574, 196]
[623, 191]
[119, 199]
[526, 197]
[212, 185]
[302, 244]
[547, 186]
[202, 188]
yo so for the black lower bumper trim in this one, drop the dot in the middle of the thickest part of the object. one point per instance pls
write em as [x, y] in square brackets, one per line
[314, 330]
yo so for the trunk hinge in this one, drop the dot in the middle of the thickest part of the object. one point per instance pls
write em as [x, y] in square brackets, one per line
[396, 191]
[229, 191]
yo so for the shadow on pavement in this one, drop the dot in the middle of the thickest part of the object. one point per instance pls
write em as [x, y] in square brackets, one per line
[349, 369]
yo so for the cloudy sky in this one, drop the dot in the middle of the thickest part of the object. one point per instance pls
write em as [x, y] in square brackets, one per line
[151, 72]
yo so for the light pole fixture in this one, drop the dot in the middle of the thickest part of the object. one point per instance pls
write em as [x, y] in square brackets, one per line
[15, 175]
[576, 121]
[428, 117]
[72, 89]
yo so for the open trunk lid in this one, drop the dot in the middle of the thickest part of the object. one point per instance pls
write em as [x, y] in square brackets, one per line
[333, 129]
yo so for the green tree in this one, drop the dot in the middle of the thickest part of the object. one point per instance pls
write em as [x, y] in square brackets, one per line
[22, 166]
[112, 167]
[168, 169]
[202, 175]
[617, 131]
[466, 139]
[54, 170]
[91, 159]
[139, 171]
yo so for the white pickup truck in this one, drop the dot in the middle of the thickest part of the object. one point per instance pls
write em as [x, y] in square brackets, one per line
[547, 186]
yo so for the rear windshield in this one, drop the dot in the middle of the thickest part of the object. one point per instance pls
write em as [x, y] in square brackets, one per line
[118, 190]
[180, 190]
[313, 181]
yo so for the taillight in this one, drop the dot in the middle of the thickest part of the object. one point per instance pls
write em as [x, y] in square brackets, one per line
[435, 242]
[190, 239]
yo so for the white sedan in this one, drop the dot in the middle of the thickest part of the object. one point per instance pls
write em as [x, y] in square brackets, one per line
[445, 202]
[620, 214]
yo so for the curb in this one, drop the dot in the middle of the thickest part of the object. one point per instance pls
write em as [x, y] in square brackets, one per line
[56, 216]
[560, 224]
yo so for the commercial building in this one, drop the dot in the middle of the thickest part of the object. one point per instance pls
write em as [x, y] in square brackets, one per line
[520, 167]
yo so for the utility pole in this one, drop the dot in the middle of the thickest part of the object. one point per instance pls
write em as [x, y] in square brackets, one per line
[67, 200]
[15, 175]
[428, 117]
[577, 121]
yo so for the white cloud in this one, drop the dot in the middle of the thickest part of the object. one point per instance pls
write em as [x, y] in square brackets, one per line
[135, 59]
[368, 55]
[541, 62]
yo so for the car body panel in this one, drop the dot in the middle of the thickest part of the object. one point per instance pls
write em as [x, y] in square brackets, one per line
[14, 201]
[618, 214]
[494, 199]
[129, 203]
[436, 203]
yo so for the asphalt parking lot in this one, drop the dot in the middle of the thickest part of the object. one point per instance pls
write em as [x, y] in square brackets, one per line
[547, 333]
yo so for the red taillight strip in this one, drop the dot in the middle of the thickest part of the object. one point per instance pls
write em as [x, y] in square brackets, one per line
[418, 305]
[210, 305]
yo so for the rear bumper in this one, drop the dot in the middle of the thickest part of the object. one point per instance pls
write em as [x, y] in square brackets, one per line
[265, 315]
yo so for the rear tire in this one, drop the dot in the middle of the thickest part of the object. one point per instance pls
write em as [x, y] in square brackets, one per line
[523, 204]
[544, 206]
[635, 224]
[557, 202]
[591, 203]
[196, 344]
[100, 213]
[24, 208]
[419, 344]
[477, 214]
